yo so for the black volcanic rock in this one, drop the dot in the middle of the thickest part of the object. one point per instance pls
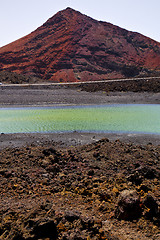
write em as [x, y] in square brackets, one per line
[71, 46]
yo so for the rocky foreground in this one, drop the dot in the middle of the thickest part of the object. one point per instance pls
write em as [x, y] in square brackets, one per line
[103, 190]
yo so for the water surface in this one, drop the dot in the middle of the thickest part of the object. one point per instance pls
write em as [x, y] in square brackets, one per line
[134, 118]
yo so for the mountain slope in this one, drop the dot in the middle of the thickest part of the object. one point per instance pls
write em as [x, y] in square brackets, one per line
[71, 46]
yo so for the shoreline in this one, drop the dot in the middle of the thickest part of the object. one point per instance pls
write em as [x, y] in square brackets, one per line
[66, 97]
[70, 139]
[62, 96]
[62, 105]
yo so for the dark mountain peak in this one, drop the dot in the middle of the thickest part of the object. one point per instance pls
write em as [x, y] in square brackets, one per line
[67, 15]
[69, 12]
[71, 46]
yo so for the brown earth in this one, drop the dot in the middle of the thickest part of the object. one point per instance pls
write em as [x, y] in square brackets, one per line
[71, 46]
[135, 85]
[49, 192]
[57, 186]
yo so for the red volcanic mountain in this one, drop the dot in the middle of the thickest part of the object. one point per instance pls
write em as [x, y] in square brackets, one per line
[71, 46]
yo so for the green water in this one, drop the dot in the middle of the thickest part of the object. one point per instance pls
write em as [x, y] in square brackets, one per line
[143, 118]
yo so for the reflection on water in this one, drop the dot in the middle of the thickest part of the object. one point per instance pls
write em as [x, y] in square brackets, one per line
[144, 118]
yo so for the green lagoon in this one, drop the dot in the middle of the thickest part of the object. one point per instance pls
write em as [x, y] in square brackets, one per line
[133, 118]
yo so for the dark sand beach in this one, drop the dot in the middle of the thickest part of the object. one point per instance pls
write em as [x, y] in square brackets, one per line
[62, 95]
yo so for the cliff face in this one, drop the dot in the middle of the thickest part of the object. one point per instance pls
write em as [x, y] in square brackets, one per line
[71, 46]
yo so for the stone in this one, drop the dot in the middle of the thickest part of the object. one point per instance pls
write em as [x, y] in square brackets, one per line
[91, 172]
[46, 229]
[71, 215]
[135, 178]
[151, 205]
[128, 206]
[147, 172]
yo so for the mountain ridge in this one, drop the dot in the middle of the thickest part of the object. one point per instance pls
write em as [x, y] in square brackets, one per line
[71, 46]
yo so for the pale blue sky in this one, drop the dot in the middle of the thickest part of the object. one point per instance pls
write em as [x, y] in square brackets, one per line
[20, 17]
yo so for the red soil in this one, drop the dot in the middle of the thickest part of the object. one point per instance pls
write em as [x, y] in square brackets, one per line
[71, 46]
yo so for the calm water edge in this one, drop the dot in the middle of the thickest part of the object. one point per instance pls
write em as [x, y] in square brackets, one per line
[138, 118]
